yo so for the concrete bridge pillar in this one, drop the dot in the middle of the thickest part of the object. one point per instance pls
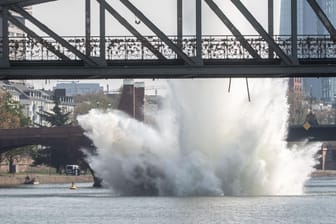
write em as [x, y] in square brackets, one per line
[132, 99]
[127, 99]
[139, 95]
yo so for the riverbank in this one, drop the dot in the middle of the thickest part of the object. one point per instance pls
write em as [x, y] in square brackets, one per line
[323, 173]
[7, 180]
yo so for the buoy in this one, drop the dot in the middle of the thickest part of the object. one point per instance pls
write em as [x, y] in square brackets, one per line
[73, 186]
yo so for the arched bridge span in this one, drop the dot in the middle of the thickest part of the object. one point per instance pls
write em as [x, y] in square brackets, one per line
[74, 135]
[62, 136]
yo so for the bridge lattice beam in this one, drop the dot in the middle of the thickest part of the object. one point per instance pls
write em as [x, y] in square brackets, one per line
[323, 18]
[180, 64]
[158, 32]
[87, 27]
[4, 62]
[258, 27]
[167, 72]
[131, 29]
[179, 25]
[23, 3]
[214, 7]
[270, 16]
[40, 40]
[89, 61]
[294, 30]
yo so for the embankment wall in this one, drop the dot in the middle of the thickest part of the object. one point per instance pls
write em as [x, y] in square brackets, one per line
[44, 179]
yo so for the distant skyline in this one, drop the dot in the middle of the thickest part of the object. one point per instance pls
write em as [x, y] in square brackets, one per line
[308, 24]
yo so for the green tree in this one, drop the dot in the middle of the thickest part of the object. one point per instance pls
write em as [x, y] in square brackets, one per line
[11, 116]
[15, 156]
[56, 157]
[57, 117]
[53, 155]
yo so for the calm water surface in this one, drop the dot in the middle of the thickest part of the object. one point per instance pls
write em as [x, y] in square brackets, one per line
[86, 205]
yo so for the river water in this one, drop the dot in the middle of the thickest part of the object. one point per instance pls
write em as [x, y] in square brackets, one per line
[56, 203]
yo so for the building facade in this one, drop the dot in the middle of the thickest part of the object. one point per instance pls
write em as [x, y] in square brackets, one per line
[75, 88]
[35, 101]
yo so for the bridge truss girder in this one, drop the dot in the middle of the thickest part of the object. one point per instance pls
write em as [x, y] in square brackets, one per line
[22, 3]
[152, 71]
[278, 63]
[323, 18]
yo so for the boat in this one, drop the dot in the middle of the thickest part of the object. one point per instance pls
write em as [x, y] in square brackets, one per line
[29, 180]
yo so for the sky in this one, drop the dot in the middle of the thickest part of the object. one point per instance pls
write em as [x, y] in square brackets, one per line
[66, 18]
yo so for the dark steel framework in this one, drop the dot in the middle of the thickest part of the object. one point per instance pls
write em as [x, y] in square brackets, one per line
[162, 55]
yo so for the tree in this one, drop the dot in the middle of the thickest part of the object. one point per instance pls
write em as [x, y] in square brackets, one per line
[55, 157]
[57, 117]
[16, 155]
[11, 116]
[52, 155]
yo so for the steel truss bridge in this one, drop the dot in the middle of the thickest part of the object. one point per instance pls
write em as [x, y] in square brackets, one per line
[163, 55]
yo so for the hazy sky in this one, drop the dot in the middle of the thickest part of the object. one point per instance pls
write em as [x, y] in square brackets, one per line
[66, 18]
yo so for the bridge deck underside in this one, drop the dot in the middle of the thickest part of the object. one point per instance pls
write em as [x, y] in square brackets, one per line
[211, 68]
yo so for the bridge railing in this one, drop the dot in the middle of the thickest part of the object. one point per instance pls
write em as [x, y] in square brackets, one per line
[130, 48]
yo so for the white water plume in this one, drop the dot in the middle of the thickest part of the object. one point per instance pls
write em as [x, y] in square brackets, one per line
[205, 141]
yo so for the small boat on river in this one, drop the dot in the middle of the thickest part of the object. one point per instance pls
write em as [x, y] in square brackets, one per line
[29, 180]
